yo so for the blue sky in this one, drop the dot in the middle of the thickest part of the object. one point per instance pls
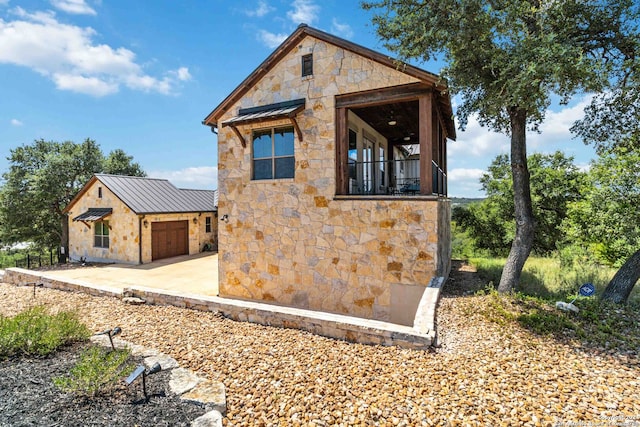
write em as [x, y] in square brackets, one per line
[141, 76]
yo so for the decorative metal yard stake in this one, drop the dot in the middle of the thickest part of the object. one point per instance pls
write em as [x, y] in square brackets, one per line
[585, 290]
[140, 370]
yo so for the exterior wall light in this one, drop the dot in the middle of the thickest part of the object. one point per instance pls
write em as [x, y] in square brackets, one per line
[225, 218]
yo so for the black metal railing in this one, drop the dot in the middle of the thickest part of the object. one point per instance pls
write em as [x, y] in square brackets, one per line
[392, 177]
[29, 260]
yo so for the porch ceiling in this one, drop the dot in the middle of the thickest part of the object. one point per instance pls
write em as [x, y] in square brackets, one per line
[405, 114]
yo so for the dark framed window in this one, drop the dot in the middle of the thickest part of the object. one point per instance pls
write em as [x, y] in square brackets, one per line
[307, 65]
[101, 234]
[207, 224]
[99, 192]
[272, 154]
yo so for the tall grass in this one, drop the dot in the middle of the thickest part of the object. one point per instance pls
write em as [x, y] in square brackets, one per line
[548, 278]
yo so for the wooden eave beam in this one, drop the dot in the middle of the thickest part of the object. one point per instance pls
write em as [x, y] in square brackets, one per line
[382, 96]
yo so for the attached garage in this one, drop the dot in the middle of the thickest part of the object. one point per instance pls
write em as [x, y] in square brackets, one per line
[169, 239]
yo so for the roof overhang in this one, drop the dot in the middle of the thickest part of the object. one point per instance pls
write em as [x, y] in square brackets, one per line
[292, 41]
[264, 113]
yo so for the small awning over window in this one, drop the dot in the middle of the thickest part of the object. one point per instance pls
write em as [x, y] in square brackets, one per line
[263, 113]
[93, 214]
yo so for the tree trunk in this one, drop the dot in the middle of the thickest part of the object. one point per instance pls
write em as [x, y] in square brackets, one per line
[525, 223]
[619, 288]
[64, 239]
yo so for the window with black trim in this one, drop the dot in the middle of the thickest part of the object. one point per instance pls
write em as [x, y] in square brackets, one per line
[307, 65]
[207, 224]
[99, 192]
[101, 234]
[272, 154]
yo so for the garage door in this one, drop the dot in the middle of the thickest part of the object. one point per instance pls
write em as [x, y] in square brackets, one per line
[169, 238]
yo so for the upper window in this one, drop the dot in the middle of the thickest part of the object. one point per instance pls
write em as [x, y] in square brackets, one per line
[99, 192]
[273, 154]
[307, 65]
[101, 236]
[207, 224]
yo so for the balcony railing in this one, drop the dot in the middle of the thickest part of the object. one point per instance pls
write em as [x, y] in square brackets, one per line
[392, 177]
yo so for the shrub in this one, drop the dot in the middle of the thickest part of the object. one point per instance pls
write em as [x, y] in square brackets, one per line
[35, 332]
[97, 371]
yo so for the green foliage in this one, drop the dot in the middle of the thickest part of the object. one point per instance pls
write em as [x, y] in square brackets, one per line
[97, 371]
[555, 182]
[35, 332]
[606, 218]
[119, 163]
[41, 181]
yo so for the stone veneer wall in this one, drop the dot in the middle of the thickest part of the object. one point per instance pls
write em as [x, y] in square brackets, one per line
[124, 243]
[290, 241]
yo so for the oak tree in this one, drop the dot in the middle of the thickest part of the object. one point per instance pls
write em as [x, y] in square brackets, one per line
[507, 60]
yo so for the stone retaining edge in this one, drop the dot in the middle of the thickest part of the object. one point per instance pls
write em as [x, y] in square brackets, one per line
[348, 328]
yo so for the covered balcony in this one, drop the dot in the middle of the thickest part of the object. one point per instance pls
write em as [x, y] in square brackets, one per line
[392, 142]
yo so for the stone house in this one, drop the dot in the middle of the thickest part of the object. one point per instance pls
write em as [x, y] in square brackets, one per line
[332, 180]
[135, 220]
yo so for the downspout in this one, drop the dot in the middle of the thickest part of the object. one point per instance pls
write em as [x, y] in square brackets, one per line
[140, 218]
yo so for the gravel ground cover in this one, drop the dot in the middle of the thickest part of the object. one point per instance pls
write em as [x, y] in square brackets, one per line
[484, 373]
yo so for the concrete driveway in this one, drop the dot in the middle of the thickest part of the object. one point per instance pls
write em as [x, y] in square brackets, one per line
[194, 274]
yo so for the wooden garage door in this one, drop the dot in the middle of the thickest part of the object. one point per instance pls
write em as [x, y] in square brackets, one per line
[169, 238]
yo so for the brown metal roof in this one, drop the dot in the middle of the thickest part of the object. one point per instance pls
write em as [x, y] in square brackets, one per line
[94, 214]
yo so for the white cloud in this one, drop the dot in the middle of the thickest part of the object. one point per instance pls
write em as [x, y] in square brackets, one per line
[16, 122]
[4, 2]
[271, 40]
[557, 124]
[68, 56]
[342, 30]
[199, 177]
[304, 11]
[478, 141]
[76, 7]
[465, 182]
[262, 10]
[181, 74]
[89, 85]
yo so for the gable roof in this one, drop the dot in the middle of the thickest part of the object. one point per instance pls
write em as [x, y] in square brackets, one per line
[294, 39]
[152, 195]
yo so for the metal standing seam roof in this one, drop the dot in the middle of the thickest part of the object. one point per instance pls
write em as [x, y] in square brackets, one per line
[263, 115]
[94, 214]
[152, 195]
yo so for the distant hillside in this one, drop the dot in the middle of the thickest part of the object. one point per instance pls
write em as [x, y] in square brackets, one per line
[464, 201]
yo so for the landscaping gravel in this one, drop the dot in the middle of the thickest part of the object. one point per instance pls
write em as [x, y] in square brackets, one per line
[484, 373]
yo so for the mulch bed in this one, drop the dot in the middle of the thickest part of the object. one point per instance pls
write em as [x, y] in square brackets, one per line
[29, 398]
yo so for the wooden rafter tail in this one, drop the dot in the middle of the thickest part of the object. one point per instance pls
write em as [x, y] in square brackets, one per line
[86, 223]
